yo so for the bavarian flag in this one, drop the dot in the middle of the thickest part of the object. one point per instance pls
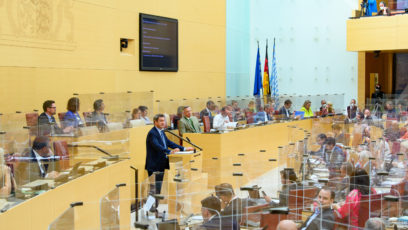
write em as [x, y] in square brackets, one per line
[265, 82]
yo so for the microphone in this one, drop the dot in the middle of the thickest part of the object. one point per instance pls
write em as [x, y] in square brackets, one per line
[111, 157]
[181, 138]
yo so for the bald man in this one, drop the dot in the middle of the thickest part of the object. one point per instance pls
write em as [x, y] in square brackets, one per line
[286, 225]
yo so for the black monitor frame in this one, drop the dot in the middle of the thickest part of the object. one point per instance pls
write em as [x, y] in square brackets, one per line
[141, 67]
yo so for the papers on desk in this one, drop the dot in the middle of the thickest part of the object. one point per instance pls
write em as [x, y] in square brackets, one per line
[149, 203]
[232, 124]
[276, 201]
[185, 152]
[382, 190]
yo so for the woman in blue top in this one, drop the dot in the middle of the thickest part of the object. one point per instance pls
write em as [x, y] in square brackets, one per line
[371, 7]
[72, 117]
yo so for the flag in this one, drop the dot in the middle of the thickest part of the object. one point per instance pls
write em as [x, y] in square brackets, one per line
[258, 76]
[266, 84]
[274, 78]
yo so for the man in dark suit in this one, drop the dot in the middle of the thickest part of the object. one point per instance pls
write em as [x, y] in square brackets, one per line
[46, 121]
[323, 215]
[285, 110]
[208, 112]
[38, 163]
[157, 145]
[233, 204]
[210, 210]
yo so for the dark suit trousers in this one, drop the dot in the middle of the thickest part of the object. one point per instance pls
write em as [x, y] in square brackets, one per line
[158, 179]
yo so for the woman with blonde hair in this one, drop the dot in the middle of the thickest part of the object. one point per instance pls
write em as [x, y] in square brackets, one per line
[306, 108]
[7, 182]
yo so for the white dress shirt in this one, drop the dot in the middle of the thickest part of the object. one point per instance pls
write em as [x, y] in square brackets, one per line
[220, 122]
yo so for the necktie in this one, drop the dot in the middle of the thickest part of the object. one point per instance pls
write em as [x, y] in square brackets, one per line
[163, 139]
[191, 123]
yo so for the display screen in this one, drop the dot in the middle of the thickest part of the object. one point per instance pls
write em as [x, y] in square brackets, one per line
[158, 48]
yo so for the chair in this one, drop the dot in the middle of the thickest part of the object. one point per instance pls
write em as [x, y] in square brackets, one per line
[61, 150]
[249, 117]
[87, 117]
[370, 206]
[396, 147]
[207, 124]
[251, 215]
[271, 221]
[32, 122]
[197, 114]
[357, 139]
[300, 198]
[61, 119]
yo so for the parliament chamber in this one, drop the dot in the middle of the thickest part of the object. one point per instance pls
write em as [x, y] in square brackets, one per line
[134, 114]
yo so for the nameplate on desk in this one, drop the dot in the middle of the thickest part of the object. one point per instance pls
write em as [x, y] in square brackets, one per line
[64, 135]
[184, 152]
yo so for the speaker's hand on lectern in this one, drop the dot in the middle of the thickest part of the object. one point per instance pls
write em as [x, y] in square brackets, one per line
[175, 151]
[189, 149]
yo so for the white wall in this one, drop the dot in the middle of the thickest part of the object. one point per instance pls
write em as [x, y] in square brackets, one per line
[311, 46]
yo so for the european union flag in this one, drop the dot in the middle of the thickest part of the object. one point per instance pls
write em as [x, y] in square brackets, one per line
[258, 76]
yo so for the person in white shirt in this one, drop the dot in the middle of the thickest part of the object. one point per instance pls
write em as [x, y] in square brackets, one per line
[222, 121]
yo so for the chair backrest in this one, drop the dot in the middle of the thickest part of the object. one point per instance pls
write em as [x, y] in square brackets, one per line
[357, 139]
[32, 122]
[347, 139]
[370, 206]
[32, 119]
[207, 124]
[398, 189]
[197, 114]
[87, 117]
[271, 221]
[61, 117]
[249, 117]
[252, 214]
[396, 147]
[300, 198]
[61, 150]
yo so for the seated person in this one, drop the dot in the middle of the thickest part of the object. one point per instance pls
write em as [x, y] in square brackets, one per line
[392, 133]
[368, 119]
[97, 117]
[39, 162]
[208, 112]
[7, 182]
[334, 157]
[390, 111]
[261, 115]
[339, 135]
[371, 7]
[144, 111]
[330, 109]
[384, 10]
[237, 115]
[288, 180]
[323, 107]
[72, 118]
[210, 210]
[342, 185]
[136, 114]
[284, 111]
[231, 204]
[222, 121]
[366, 134]
[306, 108]
[374, 224]
[188, 123]
[363, 160]
[178, 116]
[352, 109]
[359, 185]
[321, 140]
[324, 218]
[286, 225]
[47, 124]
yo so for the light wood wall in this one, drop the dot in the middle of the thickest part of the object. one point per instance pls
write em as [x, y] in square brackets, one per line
[50, 49]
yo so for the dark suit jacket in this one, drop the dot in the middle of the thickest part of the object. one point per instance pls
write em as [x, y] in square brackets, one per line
[204, 113]
[45, 127]
[351, 111]
[282, 111]
[327, 221]
[234, 210]
[28, 169]
[156, 153]
[220, 223]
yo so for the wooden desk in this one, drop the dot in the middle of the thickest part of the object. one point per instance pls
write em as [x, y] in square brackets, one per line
[38, 212]
[221, 150]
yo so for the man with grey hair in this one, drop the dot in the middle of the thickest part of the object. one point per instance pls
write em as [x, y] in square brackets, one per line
[374, 224]
[286, 225]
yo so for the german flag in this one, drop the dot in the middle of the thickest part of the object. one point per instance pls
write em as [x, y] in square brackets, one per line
[265, 84]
